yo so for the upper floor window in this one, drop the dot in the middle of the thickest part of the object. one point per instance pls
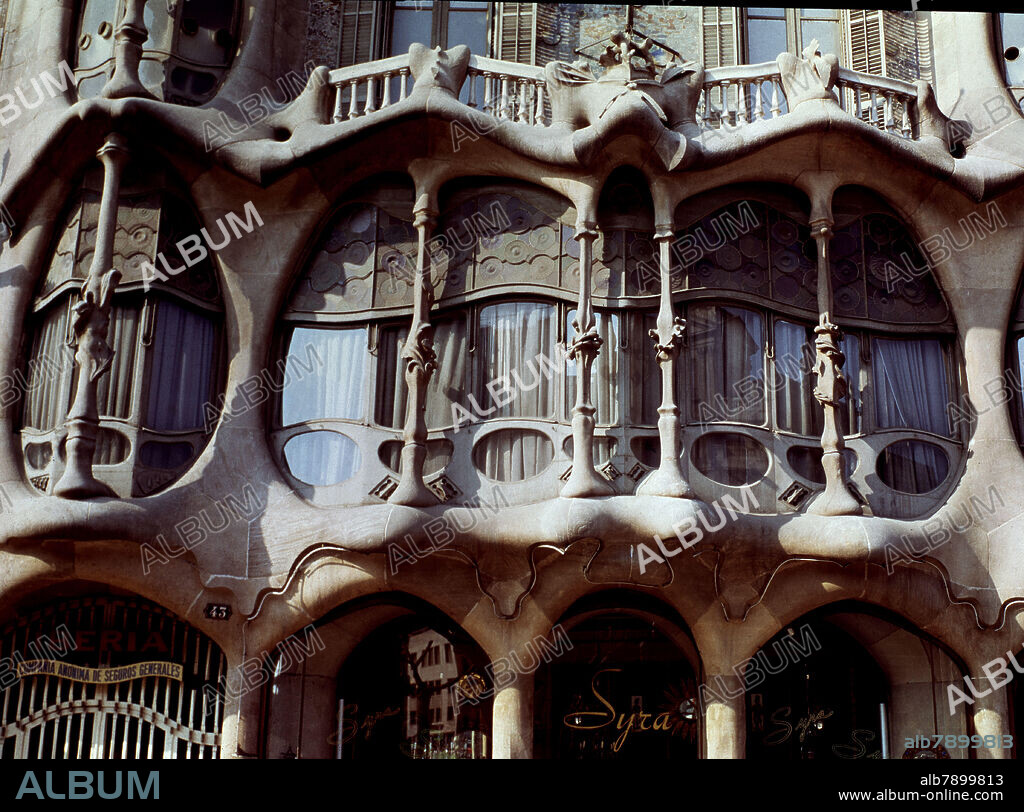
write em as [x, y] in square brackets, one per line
[883, 43]
[1011, 41]
[188, 50]
[158, 403]
[372, 31]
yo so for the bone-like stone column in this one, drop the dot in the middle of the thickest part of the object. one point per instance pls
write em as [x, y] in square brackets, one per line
[584, 481]
[128, 38]
[990, 713]
[512, 722]
[831, 387]
[420, 362]
[91, 324]
[725, 718]
[668, 480]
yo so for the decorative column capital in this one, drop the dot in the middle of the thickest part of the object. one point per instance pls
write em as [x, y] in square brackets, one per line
[585, 229]
[664, 231]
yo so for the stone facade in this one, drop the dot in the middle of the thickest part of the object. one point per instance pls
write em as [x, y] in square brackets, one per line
[395, 211]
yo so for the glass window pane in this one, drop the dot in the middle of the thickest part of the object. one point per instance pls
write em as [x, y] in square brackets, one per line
[726, 347]
[911, 466]
[413, 22]
[1013, 45]
[910, 384]
[777, 13]
[322, 457]
[796, 408]
[511, 340]
[181, 376]
[827, 34]
[325, 375]
[820, 13]
[766, 39]
[447, 384]
[468, 28]
[48, 392]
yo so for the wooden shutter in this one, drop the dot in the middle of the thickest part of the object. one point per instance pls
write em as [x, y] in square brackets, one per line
[360, 32]
[720, 41]
[864, 41]
[514, 35]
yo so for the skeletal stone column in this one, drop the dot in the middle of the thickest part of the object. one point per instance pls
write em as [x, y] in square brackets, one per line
[668, 480]
[725, 719]
[91, 323]
[512, 720]
[420, 362]
[584, 481]
[831, 387]
[128, 38]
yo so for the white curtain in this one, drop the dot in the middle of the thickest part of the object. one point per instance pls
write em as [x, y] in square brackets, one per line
[913, 467]
[796, 409]
[910, 384]
[447, 384]
[645, 391]
[322, 457]
[726, 348]
[512, 455]
[181, 380]
[336, 386]
[510, 337]
[48, 396]
[604, 374]
[114, 393]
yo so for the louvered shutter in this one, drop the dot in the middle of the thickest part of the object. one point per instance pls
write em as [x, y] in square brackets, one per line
[720, 39]
[904, 46]
[360, 31]
[514, 35]
[864, 41]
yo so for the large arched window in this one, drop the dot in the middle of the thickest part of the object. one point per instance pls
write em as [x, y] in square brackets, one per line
[747, 284]
[158, 403]
[189, 48]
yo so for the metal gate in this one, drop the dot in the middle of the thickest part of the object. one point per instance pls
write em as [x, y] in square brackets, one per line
[48, 716]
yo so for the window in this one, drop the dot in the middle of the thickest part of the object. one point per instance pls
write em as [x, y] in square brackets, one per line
[1011, 41]
[185, 56]
[158, 403]
[372, 31]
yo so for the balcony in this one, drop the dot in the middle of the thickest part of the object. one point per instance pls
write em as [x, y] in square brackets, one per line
[731, 97]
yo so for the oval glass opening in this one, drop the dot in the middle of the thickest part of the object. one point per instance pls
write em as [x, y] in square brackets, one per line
[604, 448]
[111, 448]
[913, 466]
[806, 461]
[730, 459]
[166, 456]
[439, 454]
[322, 457]
[511, 455]
[647, 450]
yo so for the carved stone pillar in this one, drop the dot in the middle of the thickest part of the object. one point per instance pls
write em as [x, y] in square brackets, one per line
[128, 38]
[91, 323]
[420, 362]
[584, 481]
[831, 387]
[990, 714]
[512, 721]
[668, 480]
[725, 719]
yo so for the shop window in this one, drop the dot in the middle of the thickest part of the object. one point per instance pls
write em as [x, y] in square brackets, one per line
[824, 698]
[623, 692]
[397, 696]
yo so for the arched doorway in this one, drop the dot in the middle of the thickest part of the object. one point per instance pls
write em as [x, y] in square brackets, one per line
[626, 690]
[400, 693]
[108, 677]
[851, 681]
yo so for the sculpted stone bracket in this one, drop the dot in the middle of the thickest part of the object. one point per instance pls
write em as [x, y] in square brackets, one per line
[811, 77]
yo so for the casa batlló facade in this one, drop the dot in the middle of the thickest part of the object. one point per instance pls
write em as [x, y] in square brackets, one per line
[509, 380]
